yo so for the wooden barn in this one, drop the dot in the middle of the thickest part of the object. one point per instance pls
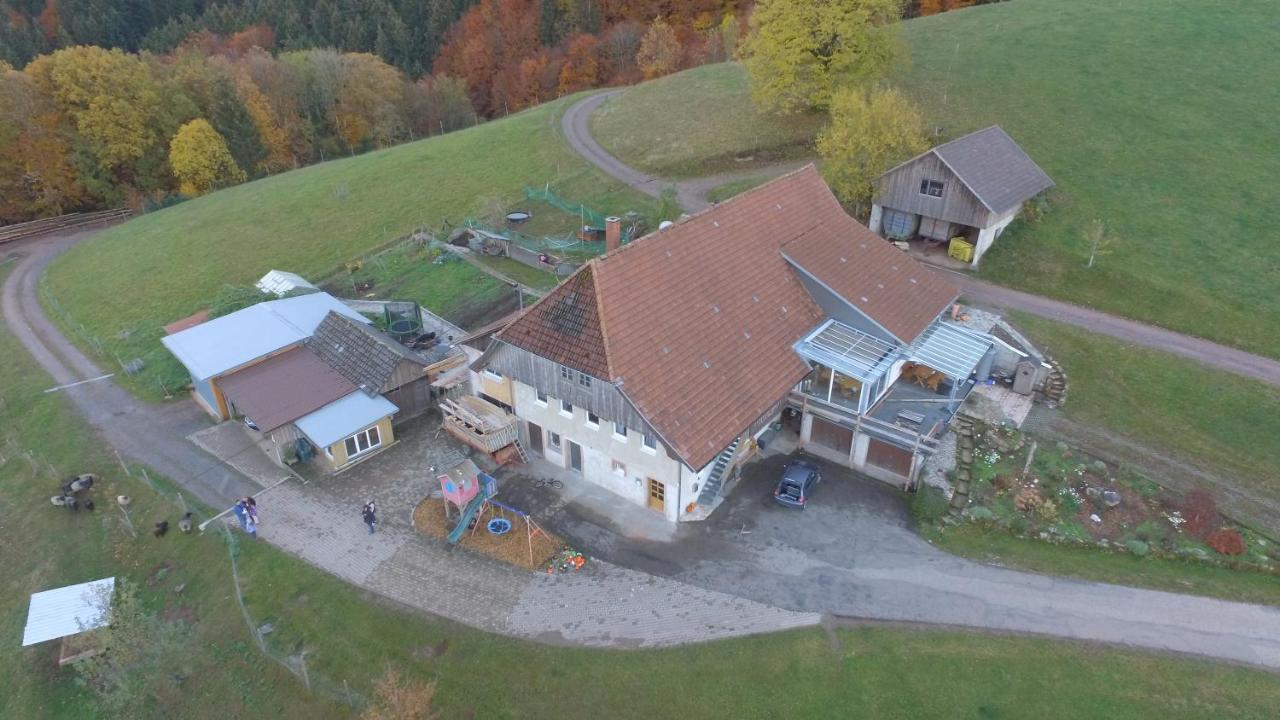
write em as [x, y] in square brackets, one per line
[963, 193]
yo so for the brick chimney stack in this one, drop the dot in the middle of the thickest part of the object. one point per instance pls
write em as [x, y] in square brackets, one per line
[612, 233]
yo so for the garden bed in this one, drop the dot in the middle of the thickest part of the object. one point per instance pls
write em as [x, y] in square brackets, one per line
[1055, 493]
[511, 547]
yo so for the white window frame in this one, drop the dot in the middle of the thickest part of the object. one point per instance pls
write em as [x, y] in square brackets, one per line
[372, 443]
[494, 375]
[555, 440]
[619, 468]
[593, 424]
[621, 436]
[649, 443]
[584, 380]
[569, 412]
[541, 398]
[926, 185]
[566, 373]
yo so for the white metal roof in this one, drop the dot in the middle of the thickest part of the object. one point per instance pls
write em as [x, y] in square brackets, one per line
[230, 341]
[68, 610]
[279, 282]
[849, 351]
[950, 349]
[344, 417]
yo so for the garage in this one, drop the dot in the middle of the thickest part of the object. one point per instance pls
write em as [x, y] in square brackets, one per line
[831, 436]
[889, 457]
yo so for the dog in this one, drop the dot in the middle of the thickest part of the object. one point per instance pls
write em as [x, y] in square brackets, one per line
[161, 528]
[185, 523]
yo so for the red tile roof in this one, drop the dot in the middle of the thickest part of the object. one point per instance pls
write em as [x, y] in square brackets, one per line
[565, 326]
[887, 285]
[696, 323]
[284, 387]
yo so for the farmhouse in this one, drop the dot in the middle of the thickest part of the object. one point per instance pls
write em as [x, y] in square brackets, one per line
[658, 368]
[964, 192]
[309, 375]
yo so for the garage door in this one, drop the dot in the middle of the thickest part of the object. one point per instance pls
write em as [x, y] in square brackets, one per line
[889, 457]
[830, 435]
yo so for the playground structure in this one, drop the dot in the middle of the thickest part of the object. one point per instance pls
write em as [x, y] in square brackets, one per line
[468, 499]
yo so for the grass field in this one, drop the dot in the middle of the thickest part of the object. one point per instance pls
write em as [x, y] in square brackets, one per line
[127, 283]
[1169, 404]
[1088, 563]
[350, 636]
[1155, 116]
[698, 122]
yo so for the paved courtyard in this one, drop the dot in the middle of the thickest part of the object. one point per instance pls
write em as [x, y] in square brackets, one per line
[602, 605]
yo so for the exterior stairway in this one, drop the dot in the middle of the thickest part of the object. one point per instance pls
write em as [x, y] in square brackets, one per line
[711, 488]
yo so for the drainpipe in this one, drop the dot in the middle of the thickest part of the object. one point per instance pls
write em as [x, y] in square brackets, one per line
[679, 491]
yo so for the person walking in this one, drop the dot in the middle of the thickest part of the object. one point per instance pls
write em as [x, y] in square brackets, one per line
[248, 521]
[370, 515]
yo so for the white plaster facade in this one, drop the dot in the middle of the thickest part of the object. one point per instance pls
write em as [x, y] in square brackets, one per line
[602, 447]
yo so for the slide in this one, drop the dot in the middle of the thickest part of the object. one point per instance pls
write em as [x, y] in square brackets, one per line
[468, 514]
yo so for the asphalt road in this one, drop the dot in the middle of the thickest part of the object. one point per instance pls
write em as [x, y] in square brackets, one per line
[692, 197]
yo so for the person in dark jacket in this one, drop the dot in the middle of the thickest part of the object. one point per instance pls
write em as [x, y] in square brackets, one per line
[370, 515]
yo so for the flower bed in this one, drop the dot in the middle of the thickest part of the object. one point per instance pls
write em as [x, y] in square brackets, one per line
[1055, 493]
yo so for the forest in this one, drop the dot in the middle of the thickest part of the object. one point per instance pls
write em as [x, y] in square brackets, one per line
[105, 103]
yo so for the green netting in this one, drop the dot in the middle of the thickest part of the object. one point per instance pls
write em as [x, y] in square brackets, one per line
[537, 244]
[589, 216]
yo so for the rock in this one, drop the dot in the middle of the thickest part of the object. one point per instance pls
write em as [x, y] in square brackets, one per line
[1094, 517]
[1110, 498]
[266, 629]
[1093, 493]
[180, 587]
[1138, 547]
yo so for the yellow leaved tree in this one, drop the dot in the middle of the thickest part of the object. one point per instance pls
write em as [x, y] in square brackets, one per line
[799, 51]
[870, 132]
[200, 159]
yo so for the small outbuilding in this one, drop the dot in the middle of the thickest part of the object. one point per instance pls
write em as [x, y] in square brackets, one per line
[65, 612]
[964, 192]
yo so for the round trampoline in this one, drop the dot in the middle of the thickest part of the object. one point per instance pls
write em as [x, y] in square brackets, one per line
[499, 526]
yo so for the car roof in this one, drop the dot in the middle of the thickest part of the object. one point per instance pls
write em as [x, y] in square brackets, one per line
[797, 471]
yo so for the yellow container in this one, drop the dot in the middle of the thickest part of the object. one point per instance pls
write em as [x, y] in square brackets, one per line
[961, 250]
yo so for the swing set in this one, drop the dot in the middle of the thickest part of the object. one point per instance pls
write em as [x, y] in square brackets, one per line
[500, 524]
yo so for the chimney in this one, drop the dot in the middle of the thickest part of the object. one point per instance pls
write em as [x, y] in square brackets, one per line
[612, 233]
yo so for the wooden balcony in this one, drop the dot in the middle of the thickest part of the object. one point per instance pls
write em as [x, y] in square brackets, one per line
[481, 425]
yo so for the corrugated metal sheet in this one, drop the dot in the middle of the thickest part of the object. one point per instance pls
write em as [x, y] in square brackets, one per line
[849, 351]
[284, 387]
[344, 417]
[951, 350]
[68, 610]
[230, 341]
[280, 282]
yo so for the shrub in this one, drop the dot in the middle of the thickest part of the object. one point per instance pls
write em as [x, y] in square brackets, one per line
[1138, 547]
[1226, 541]
[1201, 513]
[929, 505]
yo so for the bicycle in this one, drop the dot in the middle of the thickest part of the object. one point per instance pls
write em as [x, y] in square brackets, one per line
[548, 482]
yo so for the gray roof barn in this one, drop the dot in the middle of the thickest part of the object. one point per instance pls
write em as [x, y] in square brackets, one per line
[363, 355]
[992, 165]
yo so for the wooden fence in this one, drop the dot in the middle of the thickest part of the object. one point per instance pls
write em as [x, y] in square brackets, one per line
[11, 233]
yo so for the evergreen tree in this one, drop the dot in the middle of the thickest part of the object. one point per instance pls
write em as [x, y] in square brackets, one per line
[236, 126]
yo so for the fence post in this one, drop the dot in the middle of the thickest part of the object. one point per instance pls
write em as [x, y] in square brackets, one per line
[122, 465]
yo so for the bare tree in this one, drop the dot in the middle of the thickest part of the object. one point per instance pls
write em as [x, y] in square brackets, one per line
[1097, 240]
[398, 698]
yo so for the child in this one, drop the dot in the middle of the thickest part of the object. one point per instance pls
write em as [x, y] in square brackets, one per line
[369, 513]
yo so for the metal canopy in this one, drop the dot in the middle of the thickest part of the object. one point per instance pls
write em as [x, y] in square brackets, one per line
[848, 351]
[68, 610]
[949, 349]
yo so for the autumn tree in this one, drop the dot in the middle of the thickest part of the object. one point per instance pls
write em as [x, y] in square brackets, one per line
[581, 66]
[200, 159]
[870, 132]
[659, 52]
[369, 102]
[109, 98]
[485, 48]
[799, 51]
[37, 176]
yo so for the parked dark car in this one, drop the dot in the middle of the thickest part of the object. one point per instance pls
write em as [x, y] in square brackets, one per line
[796, 484]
